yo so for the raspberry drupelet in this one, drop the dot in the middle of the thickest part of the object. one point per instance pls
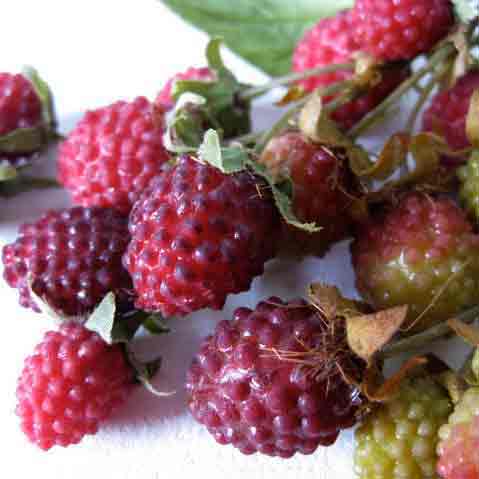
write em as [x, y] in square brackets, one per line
[256, 384]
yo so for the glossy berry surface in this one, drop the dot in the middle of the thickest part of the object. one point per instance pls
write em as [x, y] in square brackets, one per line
[69, 385]
[165, 99]
[112, 154]
[398, 440]
[197, 236]
[321, 190]
[332, 41]
[20, 106]
[255, 383]
[423, 253]
[459, 446]
[401, 29]
[446, 116]
[72, 258]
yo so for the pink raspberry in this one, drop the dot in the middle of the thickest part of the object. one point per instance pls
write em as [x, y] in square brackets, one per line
[69, 385]
[401, 29]
[332, 41]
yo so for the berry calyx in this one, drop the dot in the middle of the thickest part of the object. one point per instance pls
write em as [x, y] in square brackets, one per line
[69, 385]
[272, 380]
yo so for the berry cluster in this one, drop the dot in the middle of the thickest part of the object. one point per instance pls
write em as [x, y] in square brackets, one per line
[177, 205]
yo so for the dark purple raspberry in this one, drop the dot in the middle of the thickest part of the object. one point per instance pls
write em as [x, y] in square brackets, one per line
[69, 385]
[272, 380]
[72, 258]
[197, 236]
[112, 154]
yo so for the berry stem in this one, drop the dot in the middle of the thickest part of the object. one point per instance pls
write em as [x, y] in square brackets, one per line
[253, 92]
[382, 108]
[285, 119]
[440, 331]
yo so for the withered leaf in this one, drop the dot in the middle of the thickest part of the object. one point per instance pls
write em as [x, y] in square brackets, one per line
[294, 93]
[368, 334]
[465, 331]
[332, 304]
[472, 120]
[377, 390]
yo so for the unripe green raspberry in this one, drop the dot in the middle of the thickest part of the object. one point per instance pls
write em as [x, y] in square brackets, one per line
[398, 440]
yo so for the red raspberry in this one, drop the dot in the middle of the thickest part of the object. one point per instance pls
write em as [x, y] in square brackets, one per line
[112, 154]
[164, 99]
[401, 29]
[332, 41]
[73, 258]
[321, 183]
[459, 446]
[70, 384]
[448, 111]
[197, 236]
[423, 253]
[20, 107]
[253, 384]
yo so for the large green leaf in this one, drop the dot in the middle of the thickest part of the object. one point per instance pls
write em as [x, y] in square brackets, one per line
[264, 32]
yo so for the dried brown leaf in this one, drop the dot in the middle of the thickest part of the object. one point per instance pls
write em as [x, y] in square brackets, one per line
[472, 120]
[377, 390]
[294, 93]
[466, 331]
[368, 334]
[331, 303]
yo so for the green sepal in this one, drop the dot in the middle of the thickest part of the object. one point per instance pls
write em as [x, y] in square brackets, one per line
[7, 173]
[24, 140]
[235, 158]
[223, 106]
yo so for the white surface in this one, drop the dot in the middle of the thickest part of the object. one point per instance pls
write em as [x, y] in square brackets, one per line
[92, 53]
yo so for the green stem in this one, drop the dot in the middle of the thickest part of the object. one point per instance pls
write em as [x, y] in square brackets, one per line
[440, 331]
[248, 138]
[256, 91]
[285, 120]
[439, 56]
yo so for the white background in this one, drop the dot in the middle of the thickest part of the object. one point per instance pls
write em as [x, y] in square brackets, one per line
[92, 53]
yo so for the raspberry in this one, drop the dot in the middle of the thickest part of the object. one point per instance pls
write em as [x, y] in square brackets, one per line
[401, 29]
[422, 253]
[398, 440]
[72, 258]
[448, 111]
[332, 41]
[469, 191]
[197, 236]
[250, 388]
[70, 384]
[111, 155]
[459, 446]
[320, 189]
[20, 107]
[164, 99]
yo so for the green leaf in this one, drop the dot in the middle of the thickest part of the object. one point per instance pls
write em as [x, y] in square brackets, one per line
[44, 93]
[466, 10]
[264, 32]
[23, 140]
[227, 160]
[7, 173]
